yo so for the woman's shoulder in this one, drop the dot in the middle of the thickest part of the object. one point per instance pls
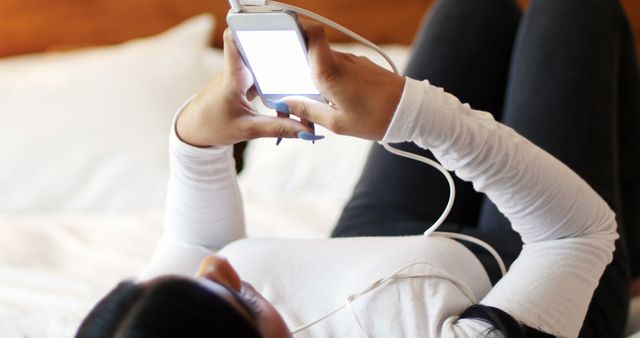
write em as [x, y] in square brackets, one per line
[294, 272]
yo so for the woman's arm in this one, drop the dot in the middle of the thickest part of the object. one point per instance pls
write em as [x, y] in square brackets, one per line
[568, 230]
[204, 207]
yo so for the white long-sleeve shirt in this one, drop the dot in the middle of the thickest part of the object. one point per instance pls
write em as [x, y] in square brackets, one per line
[567, 229]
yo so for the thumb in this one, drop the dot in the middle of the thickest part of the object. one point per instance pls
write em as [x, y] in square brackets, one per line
[268, 126]
[321, 56]
[307, 109]
[232, 59]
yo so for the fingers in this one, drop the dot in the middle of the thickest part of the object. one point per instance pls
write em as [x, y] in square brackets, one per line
[309, 125]
[232, 59]
[236, 74]
[321, 56]
[311, 110]
[268, 126]
[282, 116]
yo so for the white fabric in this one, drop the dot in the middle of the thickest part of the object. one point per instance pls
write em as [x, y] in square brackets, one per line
[86, 130]
[55, 265]
[567, 228]
[53, 268]
[83, 145]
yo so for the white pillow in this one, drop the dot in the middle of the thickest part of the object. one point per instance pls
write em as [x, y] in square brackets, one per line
[87, 130]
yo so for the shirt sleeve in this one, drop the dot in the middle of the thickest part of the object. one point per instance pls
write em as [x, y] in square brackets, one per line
[567, 229]
[203, 207]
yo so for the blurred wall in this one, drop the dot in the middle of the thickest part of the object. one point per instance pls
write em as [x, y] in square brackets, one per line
[28, 26]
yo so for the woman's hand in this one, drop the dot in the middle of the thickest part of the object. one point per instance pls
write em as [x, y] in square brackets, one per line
[222, 114]
[365, 95]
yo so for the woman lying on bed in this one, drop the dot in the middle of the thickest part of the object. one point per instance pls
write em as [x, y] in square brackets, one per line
[567, 81]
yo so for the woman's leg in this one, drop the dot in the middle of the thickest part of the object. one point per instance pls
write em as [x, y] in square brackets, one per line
[563, 95]
[465, 47]
[629, 143]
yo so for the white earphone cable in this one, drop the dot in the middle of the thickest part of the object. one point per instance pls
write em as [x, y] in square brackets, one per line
[355, 36]
[396, 275]
[237, 7]
[436, 165]
[339, 27]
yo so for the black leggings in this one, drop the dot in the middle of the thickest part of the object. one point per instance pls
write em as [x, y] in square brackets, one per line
[563, 74]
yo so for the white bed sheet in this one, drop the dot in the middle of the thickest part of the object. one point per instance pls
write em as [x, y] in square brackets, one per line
[54, 265]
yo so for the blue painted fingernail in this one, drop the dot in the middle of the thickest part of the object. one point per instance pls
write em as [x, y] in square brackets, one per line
[303, 135]
[278, 105]
[278, 140]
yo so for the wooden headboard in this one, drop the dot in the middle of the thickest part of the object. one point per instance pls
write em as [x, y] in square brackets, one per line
[28, 26]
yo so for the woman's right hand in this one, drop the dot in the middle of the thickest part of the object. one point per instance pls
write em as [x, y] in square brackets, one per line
[222, 114]
[364, 95]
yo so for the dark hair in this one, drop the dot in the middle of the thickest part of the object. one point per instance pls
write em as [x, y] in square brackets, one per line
[502, 321]
[178, 307]
[171, 307]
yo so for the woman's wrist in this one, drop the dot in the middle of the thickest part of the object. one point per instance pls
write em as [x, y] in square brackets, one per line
[408, 118]
[186, 125]
[396, 92]
[194, 124]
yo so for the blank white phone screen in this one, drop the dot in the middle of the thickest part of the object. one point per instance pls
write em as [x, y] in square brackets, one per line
[278, 61]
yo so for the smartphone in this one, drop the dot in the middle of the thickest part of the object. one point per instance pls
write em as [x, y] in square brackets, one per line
[273, 46]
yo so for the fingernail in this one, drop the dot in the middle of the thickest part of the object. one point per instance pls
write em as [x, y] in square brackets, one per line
[303, 135]
[278, 105]
[278, 140]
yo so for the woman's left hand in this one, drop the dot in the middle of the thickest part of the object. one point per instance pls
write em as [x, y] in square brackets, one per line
[222, 114]
[364, 95]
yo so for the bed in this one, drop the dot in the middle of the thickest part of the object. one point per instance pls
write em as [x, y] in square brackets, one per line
[87, 92]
